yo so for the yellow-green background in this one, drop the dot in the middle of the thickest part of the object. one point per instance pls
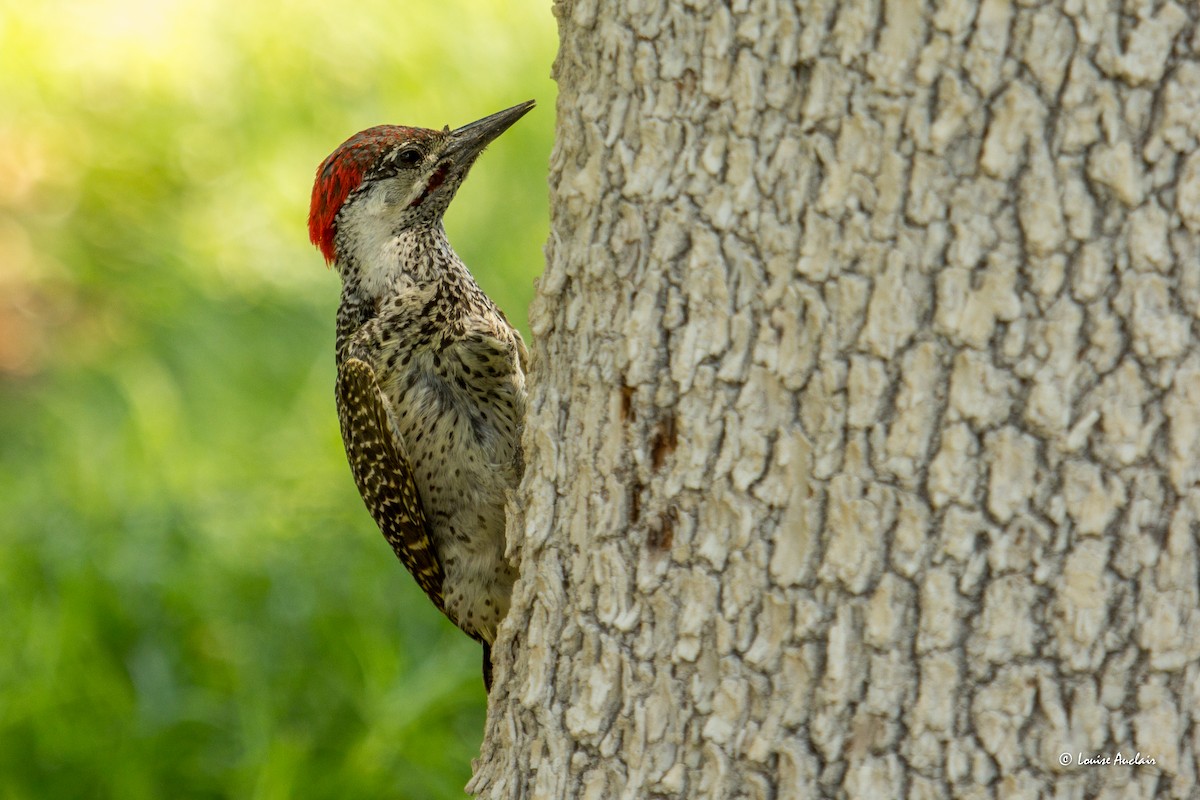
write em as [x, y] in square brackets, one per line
[193, 601]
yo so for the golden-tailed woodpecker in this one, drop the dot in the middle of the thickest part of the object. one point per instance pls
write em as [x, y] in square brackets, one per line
[430, 374]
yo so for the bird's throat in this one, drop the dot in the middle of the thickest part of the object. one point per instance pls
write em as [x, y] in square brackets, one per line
[405, 259]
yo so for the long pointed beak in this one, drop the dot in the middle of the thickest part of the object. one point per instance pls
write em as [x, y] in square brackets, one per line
[468, 141]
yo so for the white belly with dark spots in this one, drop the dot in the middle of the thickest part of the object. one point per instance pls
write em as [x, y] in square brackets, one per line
[461, 428]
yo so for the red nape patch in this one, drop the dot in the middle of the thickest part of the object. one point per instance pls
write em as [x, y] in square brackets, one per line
[343, 172]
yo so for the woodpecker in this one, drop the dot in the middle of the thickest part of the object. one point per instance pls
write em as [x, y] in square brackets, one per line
[430, 374]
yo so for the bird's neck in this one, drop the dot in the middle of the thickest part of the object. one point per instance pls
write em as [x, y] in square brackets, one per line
[376, 267]
[411, 261]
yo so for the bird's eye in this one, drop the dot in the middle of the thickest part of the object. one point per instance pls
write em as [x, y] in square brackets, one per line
[409, 156]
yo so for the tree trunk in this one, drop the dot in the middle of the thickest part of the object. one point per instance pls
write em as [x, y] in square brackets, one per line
[863, 450]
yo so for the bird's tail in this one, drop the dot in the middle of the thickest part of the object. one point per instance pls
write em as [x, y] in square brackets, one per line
[487, 667]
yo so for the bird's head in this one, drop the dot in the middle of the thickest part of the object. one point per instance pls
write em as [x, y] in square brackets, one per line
[388, 178]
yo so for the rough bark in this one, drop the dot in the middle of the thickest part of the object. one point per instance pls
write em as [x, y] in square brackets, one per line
[863, 453]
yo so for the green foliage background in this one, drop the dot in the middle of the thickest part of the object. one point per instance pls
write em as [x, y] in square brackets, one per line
[193, 601]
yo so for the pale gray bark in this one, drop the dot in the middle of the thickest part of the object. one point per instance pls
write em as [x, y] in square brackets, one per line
[863, 453]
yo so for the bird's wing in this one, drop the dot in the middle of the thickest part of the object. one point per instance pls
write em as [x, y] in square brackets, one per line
[522, 352]
[384, 476]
